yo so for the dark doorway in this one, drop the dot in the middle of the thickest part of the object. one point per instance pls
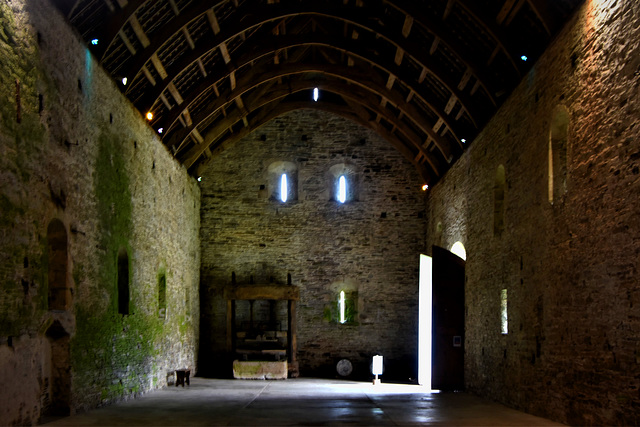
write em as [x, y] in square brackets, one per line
[57, 399]
[448, 321]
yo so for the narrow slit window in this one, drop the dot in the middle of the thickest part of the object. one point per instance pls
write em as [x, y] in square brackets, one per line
[283, 188]
[123, 282]
[282, 182]
[558, 155]
[342, 189]
[162, 296]
[341, 306]
[504, 321]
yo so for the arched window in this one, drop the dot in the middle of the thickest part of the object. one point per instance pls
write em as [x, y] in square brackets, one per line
[283, 181]
[343, 183]
[123, 281]
[347, 306]
[59, 291]
[498, 201]
[558, 143]
[458, 249]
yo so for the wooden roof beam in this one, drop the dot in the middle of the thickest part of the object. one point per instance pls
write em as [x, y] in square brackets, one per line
[346, 90]
[548, 20]
[276, 13]
[406, 27]
[139, 31]
[277, 108]
[174, 7]
[188, 38]
[443, 34]
[505, 10]
[356, 78]
[471, 7]
[350, 47]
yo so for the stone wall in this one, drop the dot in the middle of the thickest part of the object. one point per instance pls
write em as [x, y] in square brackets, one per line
[368, 247]
[82, 179]
[570, 266]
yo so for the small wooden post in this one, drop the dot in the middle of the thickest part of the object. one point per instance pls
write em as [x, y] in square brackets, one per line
[231, 319]
[292, 338]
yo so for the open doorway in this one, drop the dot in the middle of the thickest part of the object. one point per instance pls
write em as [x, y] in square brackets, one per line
[441, 321]
[57, 401]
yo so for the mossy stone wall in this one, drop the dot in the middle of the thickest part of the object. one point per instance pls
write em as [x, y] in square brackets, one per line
[73, 149]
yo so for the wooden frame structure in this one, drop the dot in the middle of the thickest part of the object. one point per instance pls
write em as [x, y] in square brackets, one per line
[288, 293]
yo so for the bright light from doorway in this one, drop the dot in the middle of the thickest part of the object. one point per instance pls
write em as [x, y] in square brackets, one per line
[424, 320]
[458, 249]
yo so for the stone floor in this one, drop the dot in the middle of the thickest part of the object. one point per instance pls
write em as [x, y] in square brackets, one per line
[301, 401]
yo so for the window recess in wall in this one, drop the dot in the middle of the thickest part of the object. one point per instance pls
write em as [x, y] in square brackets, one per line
[283, 181]
[504, 317]
[123, 281]
[162, 296]
[346, 310]
[499, 201]
[558, 148]
[343, 183]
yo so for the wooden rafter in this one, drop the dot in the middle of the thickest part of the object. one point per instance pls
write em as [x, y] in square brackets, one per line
[491, 27]
[277, 108]
[347, 91]
[353, 48]
[275, 13]
[365, 79]
[380, 58]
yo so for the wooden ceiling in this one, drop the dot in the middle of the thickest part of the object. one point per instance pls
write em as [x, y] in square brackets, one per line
[426, 75]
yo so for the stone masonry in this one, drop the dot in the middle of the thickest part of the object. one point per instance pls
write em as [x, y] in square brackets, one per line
[369, 247]
[572, 352]
[74, 152]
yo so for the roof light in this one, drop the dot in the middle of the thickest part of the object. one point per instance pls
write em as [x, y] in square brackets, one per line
[425, 187]
[94, 42]
[160, 130]
[199, 178]
[149, 116]
[124, 81]
[463, 140]
[316, 94]
[524, 58]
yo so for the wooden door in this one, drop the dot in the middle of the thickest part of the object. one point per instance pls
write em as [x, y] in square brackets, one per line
[448, 321]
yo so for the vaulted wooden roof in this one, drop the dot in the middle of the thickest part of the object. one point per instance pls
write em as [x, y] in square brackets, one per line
[426, 75]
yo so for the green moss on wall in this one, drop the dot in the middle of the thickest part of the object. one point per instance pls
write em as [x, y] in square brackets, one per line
[8, 211]
[112, 348]
[109, 347]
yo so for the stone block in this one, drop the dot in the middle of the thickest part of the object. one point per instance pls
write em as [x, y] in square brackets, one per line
[259, 370]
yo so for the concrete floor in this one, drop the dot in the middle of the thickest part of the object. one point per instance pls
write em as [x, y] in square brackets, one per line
[301, 401]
